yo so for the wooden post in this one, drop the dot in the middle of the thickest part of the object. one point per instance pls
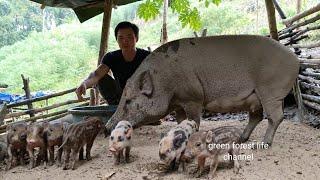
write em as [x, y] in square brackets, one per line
[272, 20]
[26, 88]
[104, 41]
[3, 112]
[164, 35]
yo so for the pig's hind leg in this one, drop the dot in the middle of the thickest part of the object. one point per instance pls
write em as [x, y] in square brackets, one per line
[254, 119]
[274, 111]
[74, 153]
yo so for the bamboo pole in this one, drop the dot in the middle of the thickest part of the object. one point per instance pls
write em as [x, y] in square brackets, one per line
[312, 10]
[272, 20]
[299, 100]
[104, 39]
[41, 98]
[37, 110]
[309, 79]
[310, 87]
[311, 61]
[303, 23]
[3, 127]
[313, 105]
[311, 98]
[311, 45]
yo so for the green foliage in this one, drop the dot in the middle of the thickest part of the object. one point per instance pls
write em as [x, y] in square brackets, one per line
[58, 60]
[20, 18]
[188, 15]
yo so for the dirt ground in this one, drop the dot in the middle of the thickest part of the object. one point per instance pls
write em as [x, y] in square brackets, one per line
[295, 154]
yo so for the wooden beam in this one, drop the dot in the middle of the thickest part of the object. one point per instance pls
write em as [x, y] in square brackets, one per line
[272, 20]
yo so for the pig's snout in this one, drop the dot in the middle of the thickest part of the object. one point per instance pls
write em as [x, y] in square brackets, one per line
[162, 156]
[112, 149]
[23, 136]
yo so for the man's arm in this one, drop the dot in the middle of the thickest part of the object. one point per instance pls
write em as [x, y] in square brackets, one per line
[92, 80]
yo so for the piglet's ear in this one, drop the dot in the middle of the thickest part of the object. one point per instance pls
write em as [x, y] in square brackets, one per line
[209, 137]
[177, 141]
[145, 84]
[128, 133]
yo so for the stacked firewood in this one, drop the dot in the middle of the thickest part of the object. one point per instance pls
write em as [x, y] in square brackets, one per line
[309, 77]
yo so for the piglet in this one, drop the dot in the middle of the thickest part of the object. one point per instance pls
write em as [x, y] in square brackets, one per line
[16, 143]
[53, 135]
[77, 136]
[35, 139]
[204, 144]
[173, 144]
[120, 141]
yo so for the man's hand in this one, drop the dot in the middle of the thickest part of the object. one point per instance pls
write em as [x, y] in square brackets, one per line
[81, 90]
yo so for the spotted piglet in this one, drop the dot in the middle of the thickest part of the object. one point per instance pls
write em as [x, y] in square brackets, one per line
[173, 144]
[204, 144]
[120, 141]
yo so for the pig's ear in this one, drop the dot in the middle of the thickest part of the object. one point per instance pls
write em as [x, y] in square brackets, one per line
[177, 141]
[209, 137]
[145, 84]
[8, 127]
[45, 124]
[128, 133]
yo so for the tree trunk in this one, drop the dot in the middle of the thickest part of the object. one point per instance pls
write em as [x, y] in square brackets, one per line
[272, 20]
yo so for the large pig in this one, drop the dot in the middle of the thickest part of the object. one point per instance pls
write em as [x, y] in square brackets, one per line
[219, 73]
[35, 139]
[16, 143]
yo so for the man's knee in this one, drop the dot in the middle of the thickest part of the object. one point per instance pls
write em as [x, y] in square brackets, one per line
[110, 90]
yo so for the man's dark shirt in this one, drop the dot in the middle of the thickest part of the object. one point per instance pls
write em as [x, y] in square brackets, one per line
[121, 69]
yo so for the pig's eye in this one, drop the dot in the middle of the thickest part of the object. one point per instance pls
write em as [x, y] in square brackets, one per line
[14, 129]
[51, 129]
[128, 101]
[198, 144]
[111, 138]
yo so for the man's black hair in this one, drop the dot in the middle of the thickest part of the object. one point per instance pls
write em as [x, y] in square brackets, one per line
[124, 25]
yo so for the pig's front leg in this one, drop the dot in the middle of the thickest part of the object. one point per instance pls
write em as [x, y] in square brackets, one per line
[31, 156]
[127, 154]
[193, 111]
[9, 164]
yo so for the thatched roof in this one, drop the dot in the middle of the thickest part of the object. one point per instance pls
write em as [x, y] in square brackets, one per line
[84, 9]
